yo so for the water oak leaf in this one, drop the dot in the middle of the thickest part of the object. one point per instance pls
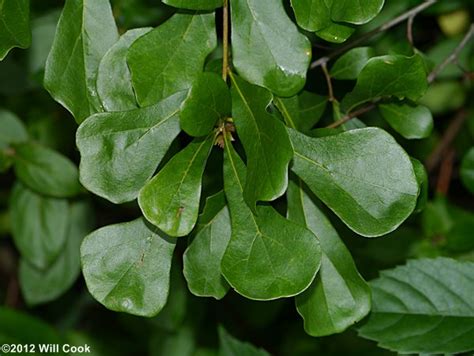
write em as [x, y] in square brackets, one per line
[195, 4]
[202, 259]
[39, 225]
[86, 30]
[171, 199]
[467, 170]
[268, 257]
[14, 25]
[208, 101]
[127, 267]
[265, 140]
[424, 307]
[46, 171]
[230, 346]
[41, 286]
[362, 175]
[409, 120]
[336, 32]
[338, 297]
[312, 15]
[114, 83]
[13, 129]
[351, 63]
[120, 151]
[357, 12]
[386, 76]
[258, 29]
[169, 58]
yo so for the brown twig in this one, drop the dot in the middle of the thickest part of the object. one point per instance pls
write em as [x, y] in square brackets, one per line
[410, 22]
[329, 82]
[352, 115]
[446, 173]
[225, 35]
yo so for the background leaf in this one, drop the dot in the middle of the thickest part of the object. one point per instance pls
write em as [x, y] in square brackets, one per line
[230, 346]
[14, 25]
[195, 5]
[467, 170]
[409, 120]
[351, 63]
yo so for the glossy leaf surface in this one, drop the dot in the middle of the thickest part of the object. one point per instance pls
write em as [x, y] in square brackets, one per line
[409, 120]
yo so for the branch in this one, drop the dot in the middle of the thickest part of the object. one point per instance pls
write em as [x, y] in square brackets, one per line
[329, 82]
[403, 17]
[352, 115]
[225, 35]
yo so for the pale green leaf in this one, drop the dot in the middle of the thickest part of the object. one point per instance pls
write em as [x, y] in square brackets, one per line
[14, 25]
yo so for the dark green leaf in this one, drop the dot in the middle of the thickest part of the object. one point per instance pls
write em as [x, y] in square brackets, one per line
[208, 101]
[195, 4]
[409, 120]
[114, 84]
[265, 140]
[467, 170]
[339, 296]
[14, 25]
[202, 259]
[120, 151]
[363, 175]
[13, 130]
[355, 11]
[46, 171]
[258, 29]
[336, 32]
[171, 199]
[127, 267]
[424, 307]
[312, 15]
[230, 346]
[169, 58]
[422, 179]
[351, 63]
[39, 226]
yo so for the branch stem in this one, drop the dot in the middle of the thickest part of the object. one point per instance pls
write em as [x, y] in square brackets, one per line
[225, 35]
[329, 82]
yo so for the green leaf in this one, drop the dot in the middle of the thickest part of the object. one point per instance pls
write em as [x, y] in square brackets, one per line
[258, 29]
[230, 346]
[339, 296]
[127, 267]
[424, 307]
[120, 151]
[422, 179]
[86, 30]
[467, 170]
[169, 58]
[41, 286]
[409, 120]
[171, 199]
[114, 83]
[351, 63]
[195, 4]
[312, 15]
[46, 171]
[336, 33]
[303, 111]
[268, 257]
[265, 140]
[208, 101]
[39, 225]
[13, 130]
[202, 258]
[357, 12]
[14, 25]
[362, 175]
[386, 76]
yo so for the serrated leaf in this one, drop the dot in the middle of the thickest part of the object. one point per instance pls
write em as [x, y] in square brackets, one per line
[230, 346]
[171, 199]
[14, 25]
[357, 12]
[339, 297]
[208, 101]
[127, 267]
[467, 170]
[268, 257]
[46, 171]
[387, 76]
[39, 225]
[422, 179]
[265, 140]
[86, 30]
[351, 63]
[120, 151]
[13, 129]
[257, 29]
[362, 175]
[409, 120]
[424, 307]
[202, 259]
[40, 286]
[114, 83]
[168, 59]
[195, 4]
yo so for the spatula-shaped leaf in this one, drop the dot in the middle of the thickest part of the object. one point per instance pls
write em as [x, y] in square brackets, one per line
[258, 27]
[363, 175]
[14, 25]
[127, 267]
[386, 76]
[424, 307]
[208, 100]
[46, 171]
[171, 199]
[195, 4]
[85, 32]
[265, 140]
[168, 59]
[409, 120]
[114, 83]
[121, 150]
[39, 225]
[339, 296]
[202, 259]
[268, 256]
